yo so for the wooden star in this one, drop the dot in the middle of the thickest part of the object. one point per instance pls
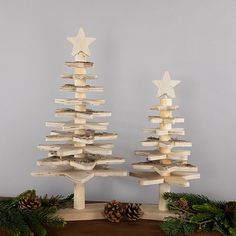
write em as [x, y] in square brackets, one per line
[81, 43]
[166, 86]
[163, 169]
[176, 178]
[85, 163]
[79, 176]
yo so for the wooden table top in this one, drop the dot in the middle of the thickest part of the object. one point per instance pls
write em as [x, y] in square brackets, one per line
[104, 228]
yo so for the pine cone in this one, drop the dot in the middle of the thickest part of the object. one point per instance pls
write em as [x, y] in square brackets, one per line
[113, 211]
[230, 206]
[133, 211]
[183, 204]
[29, 200]
[53, 201]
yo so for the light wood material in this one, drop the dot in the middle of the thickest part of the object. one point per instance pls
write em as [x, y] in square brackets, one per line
[166, 86]
[79, 196]
[165, 165]
[94, 211]
[85, 89]
[81, 157]
[84, 162]
[162, 203]
[79, 76]
[79, 176]
[81, 43]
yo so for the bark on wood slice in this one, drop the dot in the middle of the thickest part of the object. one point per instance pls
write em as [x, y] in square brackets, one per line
[153, 142]
[88, 162]
[148, 178]
[72, 126]
[167, 120]
[80, 89]
[165, 169]
[79, 64]
[76, 101]
[79, 176]
[79, 76]
[88, 114]
[160, 132]
[165, 108]
[152, 155]
[176, 178]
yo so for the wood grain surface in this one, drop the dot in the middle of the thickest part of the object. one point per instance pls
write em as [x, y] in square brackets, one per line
[104, 228]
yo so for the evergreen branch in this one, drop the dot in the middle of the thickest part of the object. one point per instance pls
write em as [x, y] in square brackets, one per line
[19, 221]
[199, 213]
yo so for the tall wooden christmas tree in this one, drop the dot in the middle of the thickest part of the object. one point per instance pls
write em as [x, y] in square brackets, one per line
[78, 150]
[166, 164]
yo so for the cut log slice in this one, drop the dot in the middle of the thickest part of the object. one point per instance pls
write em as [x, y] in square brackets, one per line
[165, 108]
[95, 149]
[160, 132]
[177, 180]
[105, 136]
[151, 142]
[104, 145]
[75, 176]
[105, 172]
[86, 163]
[61, 149]
[187, 175]
[79, 64]
[88, 114]
[71, 125]
[88, 138]
[179, 155]
[80, 89]
[151, 155]
[167, 120]
[55, 161]
[175, 143]
[59, 137]
[163, 169]
[79, 76]
[77, 101]
[96, 125]
[80, 176]
[148, 178]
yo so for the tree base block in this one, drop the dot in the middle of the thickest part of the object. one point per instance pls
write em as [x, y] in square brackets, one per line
[94, 211]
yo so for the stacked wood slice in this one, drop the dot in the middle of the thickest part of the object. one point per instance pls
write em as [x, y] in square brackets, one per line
[166, 163]
[78, 147]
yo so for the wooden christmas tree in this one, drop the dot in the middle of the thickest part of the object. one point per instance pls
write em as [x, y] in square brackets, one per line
[166, 164]
[78, 150]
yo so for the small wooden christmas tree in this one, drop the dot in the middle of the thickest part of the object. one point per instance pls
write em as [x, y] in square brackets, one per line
[84, 153]
[165, 164]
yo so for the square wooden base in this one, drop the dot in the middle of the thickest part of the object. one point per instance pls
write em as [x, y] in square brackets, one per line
[94, 211]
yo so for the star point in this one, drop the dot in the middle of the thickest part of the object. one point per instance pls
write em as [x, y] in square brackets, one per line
[81, 43]
[166, 86]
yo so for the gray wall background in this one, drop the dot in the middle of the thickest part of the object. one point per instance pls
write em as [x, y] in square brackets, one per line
[136, 41]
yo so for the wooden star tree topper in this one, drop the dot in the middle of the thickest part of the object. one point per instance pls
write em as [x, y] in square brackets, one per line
[81, 45]
[166, 86]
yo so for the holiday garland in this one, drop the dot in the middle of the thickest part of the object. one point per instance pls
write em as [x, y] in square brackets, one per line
[28, 214]
[197, 213]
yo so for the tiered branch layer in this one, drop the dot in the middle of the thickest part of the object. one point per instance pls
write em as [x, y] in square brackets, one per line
[84, 152]
[165, 164]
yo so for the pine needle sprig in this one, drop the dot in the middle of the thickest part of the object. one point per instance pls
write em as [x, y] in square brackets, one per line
[19, 221]
[197, 213]
[58, 200]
